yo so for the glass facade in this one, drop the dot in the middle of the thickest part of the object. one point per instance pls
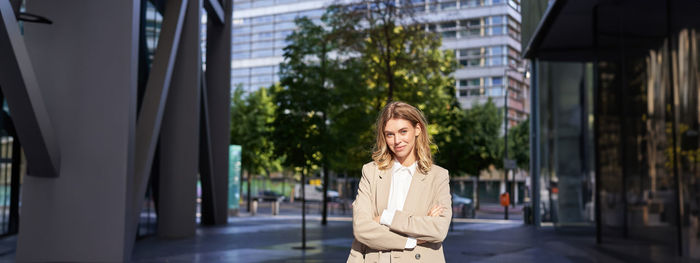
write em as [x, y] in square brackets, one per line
[626, 125]
[262, 39]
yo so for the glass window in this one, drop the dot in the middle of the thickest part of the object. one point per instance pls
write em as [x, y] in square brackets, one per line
[243, 79]
[476, 92]
[262, 19]
[262, 70]
[471, 52]
[496, 91]
[495, 61]
[240, 30]
[449, 34]
[262, 78]
[285, 16]
[448, 5]
[497, 30]
[241, 47]
[241, 55]
[283, 34]
[462, 93]
[263, 36]
[474, 62]
[261, 3]
[312, 13]
[471, 3]
[261, 53]
[240, 71]
[285, 25]
[474, 82]
[470, 32]
[242, 38]
[496, 20]
[496, 81]
[497, 50]
[238, 6]
[471, 22]
[241, 22]
[263, 44]
[448, 25]
[262, 28]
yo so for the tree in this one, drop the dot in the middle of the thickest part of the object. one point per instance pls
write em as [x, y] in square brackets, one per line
[304, 99]
[519, 144]
[400, 60]
[251, 119]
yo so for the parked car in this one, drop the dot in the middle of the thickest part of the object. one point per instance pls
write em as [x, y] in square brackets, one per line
[463, 207]
[314, 193]
[269, 196]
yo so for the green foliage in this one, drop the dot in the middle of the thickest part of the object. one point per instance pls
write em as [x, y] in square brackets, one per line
[482, 127]
[303, 97]
[519, 144]
[251, 116]
[400, 61]
[337, 75]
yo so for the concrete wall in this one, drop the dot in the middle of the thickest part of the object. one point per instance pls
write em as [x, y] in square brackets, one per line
[85, 64]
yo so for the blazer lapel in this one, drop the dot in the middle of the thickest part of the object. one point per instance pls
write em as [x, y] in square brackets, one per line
[416, 193]
[383, 188]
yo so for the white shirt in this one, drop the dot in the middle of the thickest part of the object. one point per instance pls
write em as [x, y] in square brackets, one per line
[400, 183]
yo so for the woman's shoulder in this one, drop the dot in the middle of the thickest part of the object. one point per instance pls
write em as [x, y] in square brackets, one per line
[370, 168]
[438, 171]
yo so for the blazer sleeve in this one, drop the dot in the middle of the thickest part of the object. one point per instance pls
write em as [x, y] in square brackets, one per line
[428, 228]
[364, 228]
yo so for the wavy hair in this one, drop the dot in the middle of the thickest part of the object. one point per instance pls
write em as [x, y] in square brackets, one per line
[382, 155]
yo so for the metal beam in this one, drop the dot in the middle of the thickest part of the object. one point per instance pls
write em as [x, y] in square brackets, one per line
[19, 85]
[151, 114]
[214, 7]
[206, 165]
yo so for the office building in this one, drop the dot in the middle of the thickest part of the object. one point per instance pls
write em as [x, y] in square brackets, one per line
[615, 106]
[484, 34]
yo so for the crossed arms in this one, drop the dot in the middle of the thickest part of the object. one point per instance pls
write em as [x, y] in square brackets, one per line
[393, 237]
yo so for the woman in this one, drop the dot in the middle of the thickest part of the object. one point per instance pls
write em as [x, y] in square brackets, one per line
[402, 209]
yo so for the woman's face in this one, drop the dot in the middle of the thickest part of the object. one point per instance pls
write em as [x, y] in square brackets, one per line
[401, 136]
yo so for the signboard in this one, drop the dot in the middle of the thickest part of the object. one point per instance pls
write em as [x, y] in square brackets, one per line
[509, 164]
[234, 176]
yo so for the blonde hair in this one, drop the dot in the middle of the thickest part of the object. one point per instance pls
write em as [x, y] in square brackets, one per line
[381, 153]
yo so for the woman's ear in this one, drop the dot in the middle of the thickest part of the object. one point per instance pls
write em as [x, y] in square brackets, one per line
[418, 129]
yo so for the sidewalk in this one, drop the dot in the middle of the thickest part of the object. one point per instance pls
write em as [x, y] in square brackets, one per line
[272, 239]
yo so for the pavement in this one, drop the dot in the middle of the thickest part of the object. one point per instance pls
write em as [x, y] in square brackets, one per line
[267, 238]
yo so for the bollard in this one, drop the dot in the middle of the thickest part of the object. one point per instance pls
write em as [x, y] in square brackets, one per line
[254, 208]
[275, 208]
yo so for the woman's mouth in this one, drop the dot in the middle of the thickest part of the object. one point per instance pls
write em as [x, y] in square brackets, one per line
[399, 148]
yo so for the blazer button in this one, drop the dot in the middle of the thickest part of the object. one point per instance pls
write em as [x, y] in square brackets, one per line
[418, 256]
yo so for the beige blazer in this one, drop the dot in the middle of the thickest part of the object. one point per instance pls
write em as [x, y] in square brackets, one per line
[374, 241]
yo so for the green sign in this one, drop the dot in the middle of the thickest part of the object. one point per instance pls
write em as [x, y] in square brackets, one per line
[234, 176]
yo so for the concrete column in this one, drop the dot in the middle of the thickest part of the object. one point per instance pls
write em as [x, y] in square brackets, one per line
[218, 96]
[86, 68]
[179, 136]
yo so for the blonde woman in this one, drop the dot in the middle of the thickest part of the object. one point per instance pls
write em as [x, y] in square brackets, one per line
[403, 206]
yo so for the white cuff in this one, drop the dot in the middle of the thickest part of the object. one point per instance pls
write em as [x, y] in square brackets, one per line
[411, 243]
[387, 217]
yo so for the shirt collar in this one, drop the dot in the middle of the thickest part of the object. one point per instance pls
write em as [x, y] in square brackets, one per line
[397, 167]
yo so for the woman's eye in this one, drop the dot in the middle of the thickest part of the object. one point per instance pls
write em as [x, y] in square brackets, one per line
[404, 132]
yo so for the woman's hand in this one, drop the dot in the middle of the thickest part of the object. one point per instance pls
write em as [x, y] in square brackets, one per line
[434, 212]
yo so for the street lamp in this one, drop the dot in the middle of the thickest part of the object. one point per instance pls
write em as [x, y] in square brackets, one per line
[507, 163]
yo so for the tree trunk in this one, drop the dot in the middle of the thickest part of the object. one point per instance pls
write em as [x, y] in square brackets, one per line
[248, 195]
